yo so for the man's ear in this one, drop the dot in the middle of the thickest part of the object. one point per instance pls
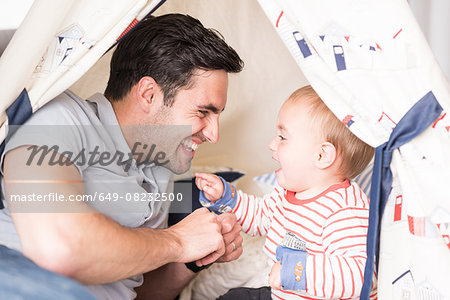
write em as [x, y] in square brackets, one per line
[145, 92]
[327, 155]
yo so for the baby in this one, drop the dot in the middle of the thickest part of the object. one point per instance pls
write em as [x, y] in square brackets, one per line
[316, 219]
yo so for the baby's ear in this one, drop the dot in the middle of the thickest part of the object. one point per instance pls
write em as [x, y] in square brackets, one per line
[326, 156]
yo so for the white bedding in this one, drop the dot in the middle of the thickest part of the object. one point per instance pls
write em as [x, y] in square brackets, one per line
[250, 270]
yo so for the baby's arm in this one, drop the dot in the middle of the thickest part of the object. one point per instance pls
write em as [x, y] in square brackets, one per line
[344, 238]
[253, 213]
[335, 273]
[215, 193]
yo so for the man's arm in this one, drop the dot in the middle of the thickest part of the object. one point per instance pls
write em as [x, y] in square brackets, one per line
[169, 280]
[165, 283]
[89, 246]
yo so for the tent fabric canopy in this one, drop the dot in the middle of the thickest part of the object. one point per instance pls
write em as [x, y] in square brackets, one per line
[367, 60]
[65, 45]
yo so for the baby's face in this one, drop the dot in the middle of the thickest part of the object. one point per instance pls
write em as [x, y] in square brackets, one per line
[295, 147]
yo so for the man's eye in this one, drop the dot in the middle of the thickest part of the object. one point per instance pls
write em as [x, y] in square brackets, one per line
[203, 112]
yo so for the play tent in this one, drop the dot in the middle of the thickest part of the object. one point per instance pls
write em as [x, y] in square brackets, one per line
[368, 61]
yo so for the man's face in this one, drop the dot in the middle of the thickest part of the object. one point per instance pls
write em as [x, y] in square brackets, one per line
[197, 107]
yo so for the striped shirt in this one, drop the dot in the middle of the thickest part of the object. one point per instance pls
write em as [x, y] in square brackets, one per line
[333, 226]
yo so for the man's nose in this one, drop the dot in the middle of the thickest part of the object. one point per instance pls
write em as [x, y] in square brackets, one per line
[211, 131]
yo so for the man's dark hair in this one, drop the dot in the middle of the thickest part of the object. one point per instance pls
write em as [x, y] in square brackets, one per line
[168, 48]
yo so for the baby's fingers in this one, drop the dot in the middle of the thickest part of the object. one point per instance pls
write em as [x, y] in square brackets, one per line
[200, 183]
[211, 179]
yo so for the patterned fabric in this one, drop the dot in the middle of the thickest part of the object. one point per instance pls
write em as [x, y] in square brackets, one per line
[70, 42]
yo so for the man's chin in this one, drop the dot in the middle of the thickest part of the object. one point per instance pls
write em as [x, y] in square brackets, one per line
[183, 161]
[180, 167]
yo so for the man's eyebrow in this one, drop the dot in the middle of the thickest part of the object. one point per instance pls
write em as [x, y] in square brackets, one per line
[211, 108]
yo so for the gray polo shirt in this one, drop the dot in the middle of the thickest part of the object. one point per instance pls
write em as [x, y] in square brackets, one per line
[78, 126]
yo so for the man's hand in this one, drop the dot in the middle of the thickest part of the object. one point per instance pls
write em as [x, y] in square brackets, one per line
[275, 276]
[199, 235]
[210, 184]
[231, 237]
[232, 240]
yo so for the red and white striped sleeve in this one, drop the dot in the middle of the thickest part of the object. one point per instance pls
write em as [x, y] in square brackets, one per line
[338, 271]
[255, 213]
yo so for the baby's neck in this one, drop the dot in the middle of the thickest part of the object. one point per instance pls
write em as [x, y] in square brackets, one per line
[318, 188]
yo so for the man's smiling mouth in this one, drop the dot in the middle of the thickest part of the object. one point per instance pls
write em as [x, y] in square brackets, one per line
[189, 145]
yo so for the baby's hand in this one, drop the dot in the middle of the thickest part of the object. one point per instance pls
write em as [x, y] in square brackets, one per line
[210, 184]
[275, 276]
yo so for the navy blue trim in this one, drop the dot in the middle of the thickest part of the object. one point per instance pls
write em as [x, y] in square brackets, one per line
[18, 112]
[302, 45]
[400, 277]
[340, 59]
[413, 123]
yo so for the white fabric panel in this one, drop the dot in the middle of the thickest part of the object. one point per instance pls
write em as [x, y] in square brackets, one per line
[17, 62]
[389, 79]
[5, 37]
[370, 63]
[433, 18]
[13, 12]
[67, 38]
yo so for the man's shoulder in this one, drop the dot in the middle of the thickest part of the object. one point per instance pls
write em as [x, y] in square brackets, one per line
[65, 109]
[67, 99]
[64, 121]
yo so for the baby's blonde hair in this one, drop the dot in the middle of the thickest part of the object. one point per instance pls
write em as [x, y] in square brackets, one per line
[355, 154]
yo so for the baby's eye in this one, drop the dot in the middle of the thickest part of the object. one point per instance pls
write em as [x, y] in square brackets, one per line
[281, 137]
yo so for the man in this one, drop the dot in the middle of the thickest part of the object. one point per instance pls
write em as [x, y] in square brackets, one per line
[169, 70]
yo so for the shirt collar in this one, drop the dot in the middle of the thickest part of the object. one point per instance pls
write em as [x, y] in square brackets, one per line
[291, 198]
[105, 112]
